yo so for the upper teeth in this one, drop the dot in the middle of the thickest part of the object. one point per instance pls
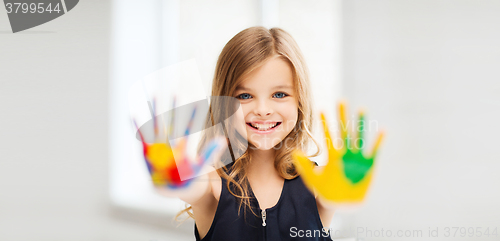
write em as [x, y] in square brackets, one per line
[263, 127]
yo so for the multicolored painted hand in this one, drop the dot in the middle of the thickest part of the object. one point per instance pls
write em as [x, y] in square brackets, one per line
[347, 175]
[178, 172]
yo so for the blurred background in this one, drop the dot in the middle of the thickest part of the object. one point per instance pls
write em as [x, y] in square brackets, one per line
[426, 71]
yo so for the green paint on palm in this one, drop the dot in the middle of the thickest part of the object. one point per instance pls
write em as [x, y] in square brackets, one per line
[356, 165]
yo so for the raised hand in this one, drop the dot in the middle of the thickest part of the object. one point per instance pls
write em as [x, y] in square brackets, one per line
[169, 165]
[348, 173]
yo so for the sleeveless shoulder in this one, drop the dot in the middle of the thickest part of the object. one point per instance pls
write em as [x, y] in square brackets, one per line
[216, 184]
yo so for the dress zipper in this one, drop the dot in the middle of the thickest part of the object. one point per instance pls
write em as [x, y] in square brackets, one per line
[264, 217]
[264, 223]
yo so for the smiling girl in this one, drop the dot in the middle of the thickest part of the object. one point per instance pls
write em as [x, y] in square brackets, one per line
[265, 70]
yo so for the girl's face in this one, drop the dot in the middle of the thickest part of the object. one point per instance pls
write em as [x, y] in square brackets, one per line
[269, 104]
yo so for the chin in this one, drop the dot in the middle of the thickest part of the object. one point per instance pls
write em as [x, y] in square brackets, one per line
[261, 148]
[264, 144]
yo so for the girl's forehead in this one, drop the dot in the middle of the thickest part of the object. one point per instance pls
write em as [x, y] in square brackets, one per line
[275, 73]
[269, 85]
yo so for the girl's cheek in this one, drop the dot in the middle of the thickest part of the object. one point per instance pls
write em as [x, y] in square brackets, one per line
[245, 108]
[238, 122]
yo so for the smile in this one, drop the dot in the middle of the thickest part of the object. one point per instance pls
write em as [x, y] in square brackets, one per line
[263, 126]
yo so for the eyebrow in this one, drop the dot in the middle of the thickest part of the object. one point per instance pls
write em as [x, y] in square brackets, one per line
[275, 87]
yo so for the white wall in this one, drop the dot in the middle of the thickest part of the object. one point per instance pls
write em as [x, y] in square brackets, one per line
[427, 71]
[54, 132]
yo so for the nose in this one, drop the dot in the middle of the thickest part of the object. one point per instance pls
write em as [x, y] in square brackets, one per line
[263, 108]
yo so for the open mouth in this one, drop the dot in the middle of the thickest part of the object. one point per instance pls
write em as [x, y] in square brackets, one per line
[263, 126]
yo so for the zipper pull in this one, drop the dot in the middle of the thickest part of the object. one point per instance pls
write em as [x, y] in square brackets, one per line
[264, 217]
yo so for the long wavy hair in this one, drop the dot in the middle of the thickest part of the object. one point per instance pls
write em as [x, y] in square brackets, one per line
[245, 52]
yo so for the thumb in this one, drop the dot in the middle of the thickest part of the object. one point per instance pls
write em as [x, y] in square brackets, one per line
[212, 151]
[304, 167]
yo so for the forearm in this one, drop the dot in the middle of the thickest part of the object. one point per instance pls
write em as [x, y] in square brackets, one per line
[326, 211]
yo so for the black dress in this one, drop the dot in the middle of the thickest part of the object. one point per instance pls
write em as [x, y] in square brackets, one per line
[294, 217]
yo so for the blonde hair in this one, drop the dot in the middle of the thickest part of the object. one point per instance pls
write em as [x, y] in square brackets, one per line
[245, 52]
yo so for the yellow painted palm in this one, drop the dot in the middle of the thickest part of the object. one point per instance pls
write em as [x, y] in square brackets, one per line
[347, 175]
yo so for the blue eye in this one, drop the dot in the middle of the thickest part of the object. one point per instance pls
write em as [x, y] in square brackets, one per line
[244, 96]
[279, 95]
